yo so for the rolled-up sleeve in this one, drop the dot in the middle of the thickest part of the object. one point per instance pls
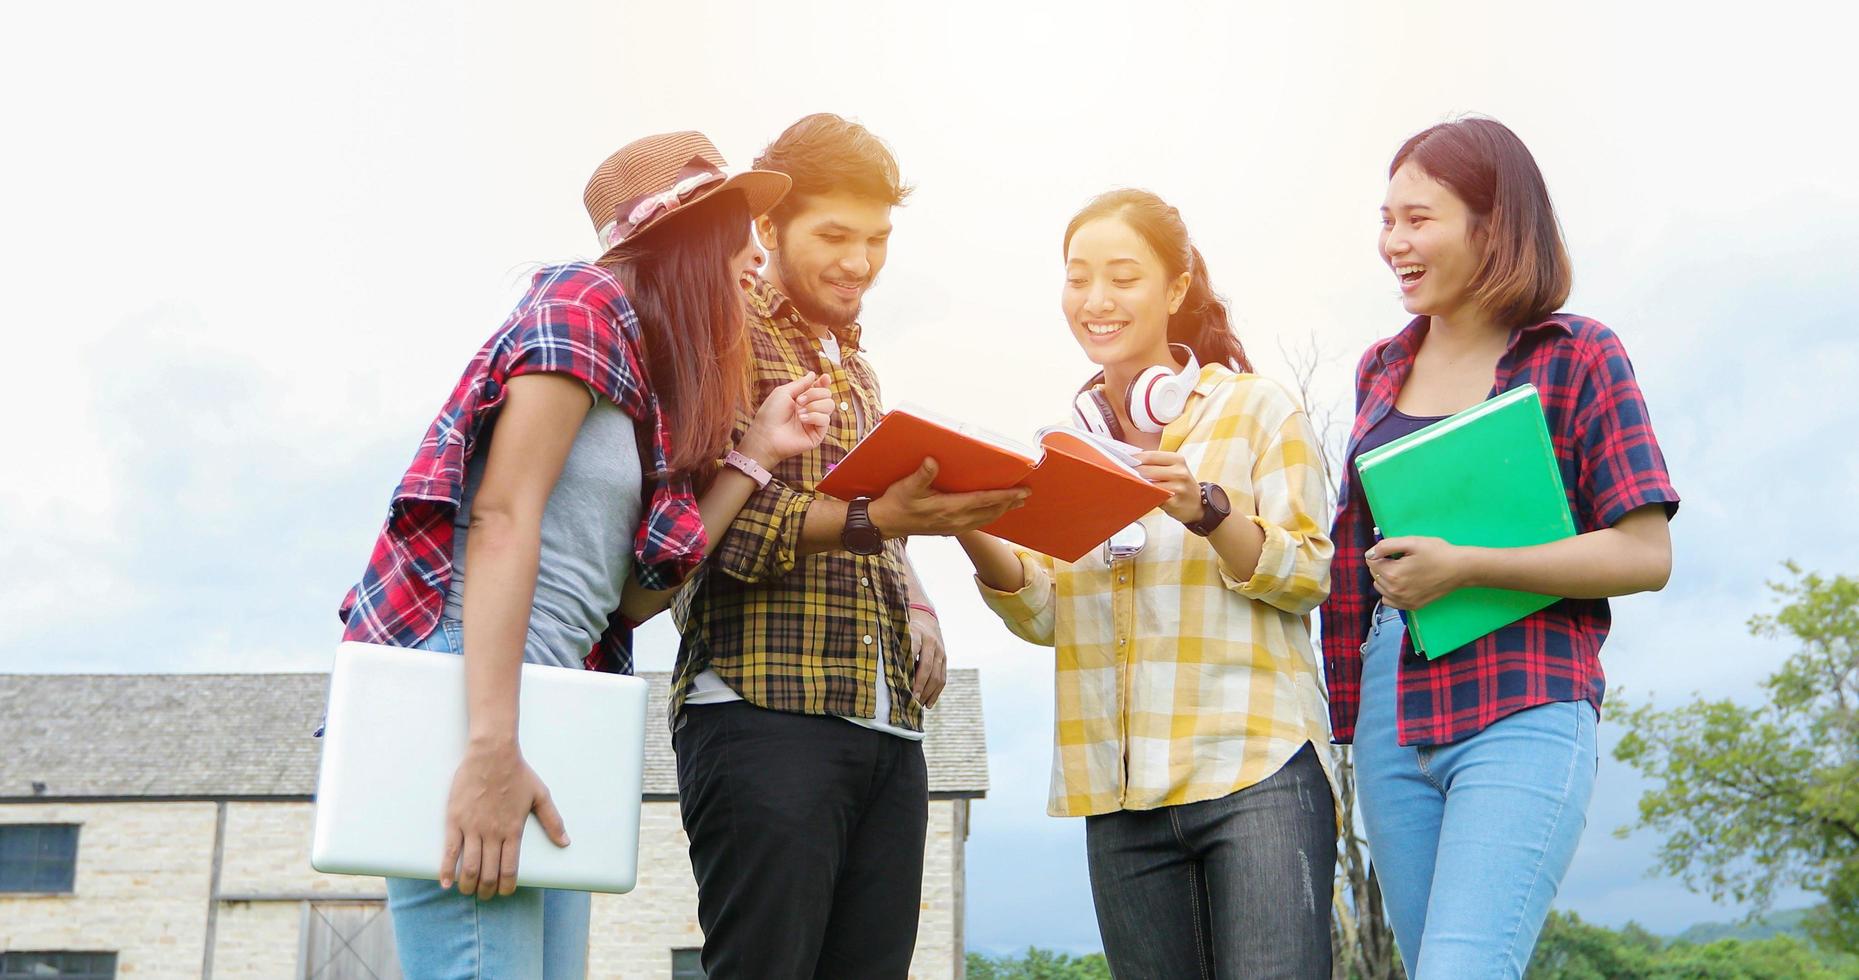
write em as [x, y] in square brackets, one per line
[763, 543]
[1292, 497]
[1621, 466]
[1028, 612]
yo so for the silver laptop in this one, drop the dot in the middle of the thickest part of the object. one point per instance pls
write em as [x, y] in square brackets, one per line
[395, 734]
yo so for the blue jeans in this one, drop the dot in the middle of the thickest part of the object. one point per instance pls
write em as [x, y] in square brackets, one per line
[1471, 839]
[442, 935]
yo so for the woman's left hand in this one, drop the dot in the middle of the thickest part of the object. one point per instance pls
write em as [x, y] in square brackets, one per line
[1170, 472]
[792, 419]
[1412, 572]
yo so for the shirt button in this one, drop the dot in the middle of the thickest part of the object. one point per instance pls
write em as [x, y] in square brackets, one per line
[866, 640]
[864, 581]
[845, 406]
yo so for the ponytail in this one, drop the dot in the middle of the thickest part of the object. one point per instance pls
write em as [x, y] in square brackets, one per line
[1203, 321]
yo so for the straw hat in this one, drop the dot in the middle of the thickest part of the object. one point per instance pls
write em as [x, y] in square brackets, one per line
[648, 180]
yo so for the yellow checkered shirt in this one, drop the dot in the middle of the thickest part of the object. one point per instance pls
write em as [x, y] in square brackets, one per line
[788, 631]
[1177, 679]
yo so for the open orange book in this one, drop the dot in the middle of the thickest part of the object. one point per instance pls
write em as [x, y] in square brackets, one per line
[1085, 487]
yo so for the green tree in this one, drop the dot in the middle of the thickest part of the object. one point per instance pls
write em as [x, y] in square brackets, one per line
[1038, 964]
[1750, 798]
[1570, 949]
[1775, 958]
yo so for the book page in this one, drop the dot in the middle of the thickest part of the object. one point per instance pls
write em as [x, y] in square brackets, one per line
[970, 430]
[1120, 454]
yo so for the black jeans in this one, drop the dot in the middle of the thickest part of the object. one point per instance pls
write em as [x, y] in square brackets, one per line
[807, 840]
[1234, 887]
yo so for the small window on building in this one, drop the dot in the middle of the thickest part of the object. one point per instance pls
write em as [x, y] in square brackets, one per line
[64, 966]
[348, 941]
[38, 857]
[687, 964]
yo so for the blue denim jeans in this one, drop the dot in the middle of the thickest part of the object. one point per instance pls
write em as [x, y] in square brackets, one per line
[442, 935]
[1470, 840]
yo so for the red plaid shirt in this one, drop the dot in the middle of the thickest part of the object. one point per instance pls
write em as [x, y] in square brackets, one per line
[1610, 463]
[575, 320]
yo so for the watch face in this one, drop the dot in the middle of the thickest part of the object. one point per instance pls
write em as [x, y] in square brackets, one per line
[863, 540]
[1215, 496]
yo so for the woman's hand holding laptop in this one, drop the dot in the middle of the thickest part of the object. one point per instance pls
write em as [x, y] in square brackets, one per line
[493, 793]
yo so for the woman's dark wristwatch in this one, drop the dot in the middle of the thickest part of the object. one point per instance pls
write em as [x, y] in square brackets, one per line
[860, 535]
[1214, 509]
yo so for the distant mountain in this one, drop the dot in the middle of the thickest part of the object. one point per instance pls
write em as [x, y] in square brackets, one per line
[1784, 923]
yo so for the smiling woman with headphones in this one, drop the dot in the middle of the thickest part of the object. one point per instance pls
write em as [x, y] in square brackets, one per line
[1190, 730]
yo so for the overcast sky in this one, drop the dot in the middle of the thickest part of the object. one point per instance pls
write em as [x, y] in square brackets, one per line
[249, 247]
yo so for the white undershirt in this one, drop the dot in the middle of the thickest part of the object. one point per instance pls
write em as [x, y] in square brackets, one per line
[708, 688]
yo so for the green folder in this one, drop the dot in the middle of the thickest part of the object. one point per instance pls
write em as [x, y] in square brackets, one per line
[1487, 477]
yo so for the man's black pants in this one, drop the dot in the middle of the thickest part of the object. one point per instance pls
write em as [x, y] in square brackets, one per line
[807, 840]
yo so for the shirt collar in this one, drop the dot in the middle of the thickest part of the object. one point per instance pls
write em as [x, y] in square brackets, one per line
[769, 303]
[1557, 323]
[1212, 376]
[1404, 345]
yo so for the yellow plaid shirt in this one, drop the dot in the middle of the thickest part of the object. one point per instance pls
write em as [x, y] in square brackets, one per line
[1178, 679]
[788, 631]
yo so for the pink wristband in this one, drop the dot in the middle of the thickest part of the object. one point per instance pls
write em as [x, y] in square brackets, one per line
[750, 468]
[919, 605]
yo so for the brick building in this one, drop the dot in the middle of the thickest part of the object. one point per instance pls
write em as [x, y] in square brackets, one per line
[158, 825]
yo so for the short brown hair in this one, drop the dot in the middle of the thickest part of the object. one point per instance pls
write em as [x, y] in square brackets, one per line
[827, 154]
[1524, 274]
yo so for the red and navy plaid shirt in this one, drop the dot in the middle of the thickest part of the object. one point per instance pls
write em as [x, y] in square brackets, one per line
[575, 320]
[1610, 463]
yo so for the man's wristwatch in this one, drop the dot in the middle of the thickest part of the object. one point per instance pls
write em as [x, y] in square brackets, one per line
[860, 535]
[1214, 509]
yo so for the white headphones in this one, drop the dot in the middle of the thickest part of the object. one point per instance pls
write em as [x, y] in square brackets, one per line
[1157, 397]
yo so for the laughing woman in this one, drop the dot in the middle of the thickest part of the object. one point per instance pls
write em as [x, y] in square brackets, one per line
[1474, 770]
[1190, 730]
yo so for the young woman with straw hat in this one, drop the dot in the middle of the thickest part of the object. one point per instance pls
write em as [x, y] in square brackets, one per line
[563, 474]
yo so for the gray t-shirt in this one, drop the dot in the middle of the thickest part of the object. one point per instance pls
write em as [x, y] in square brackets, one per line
[587, 539]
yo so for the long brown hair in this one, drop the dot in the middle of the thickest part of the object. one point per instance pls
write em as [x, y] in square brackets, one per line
[1202, 322]
[1523, 272]
[690, 311]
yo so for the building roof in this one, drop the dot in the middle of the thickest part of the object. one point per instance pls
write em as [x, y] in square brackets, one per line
[214, 736]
